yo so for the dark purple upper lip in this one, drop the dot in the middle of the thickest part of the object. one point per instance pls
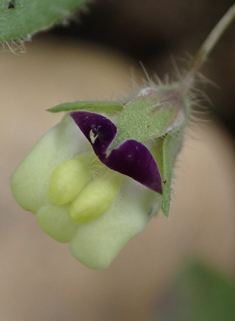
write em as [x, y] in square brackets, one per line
[130, 158]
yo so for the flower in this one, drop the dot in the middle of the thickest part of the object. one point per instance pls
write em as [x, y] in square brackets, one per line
[95, 180]
[130, 158]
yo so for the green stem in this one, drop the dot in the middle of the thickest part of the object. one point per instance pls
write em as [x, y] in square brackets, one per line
[207, 47]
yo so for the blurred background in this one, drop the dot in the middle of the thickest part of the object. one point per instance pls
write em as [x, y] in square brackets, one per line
[177, 269]
[157, 32]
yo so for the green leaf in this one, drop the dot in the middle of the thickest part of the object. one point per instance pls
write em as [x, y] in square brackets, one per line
[108, 107]
[171, 147]
[26, 17]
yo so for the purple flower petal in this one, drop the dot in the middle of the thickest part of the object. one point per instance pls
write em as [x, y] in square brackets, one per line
[99, 130]
[131, 158]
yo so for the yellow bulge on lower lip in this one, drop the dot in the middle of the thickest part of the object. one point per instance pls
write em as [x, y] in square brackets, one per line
[67, 180]
[94, 199]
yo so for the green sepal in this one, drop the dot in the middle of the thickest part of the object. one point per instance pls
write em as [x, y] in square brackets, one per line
[144, 118]
[108, 107]
[171, 147]
[26, 17]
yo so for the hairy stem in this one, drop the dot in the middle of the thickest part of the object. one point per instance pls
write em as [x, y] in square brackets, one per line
[207, 47]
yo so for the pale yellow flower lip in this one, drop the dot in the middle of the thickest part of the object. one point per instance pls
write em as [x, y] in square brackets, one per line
[97, 213]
